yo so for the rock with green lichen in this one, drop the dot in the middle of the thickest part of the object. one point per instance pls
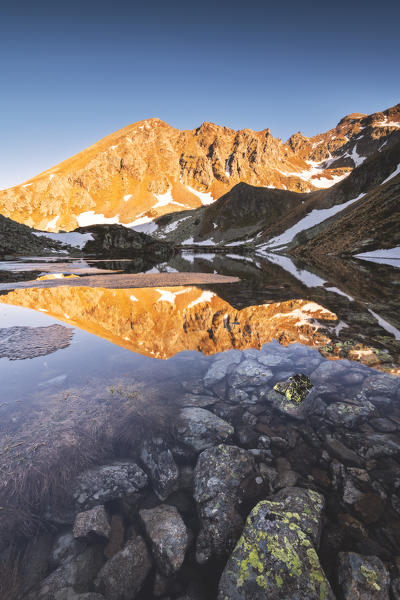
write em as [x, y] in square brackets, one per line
[286, 407]
[350, 415]
[275, 557]
[217, 478]
[362, 577]
[296, 389]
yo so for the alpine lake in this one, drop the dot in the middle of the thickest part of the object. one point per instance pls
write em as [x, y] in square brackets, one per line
[165, 414]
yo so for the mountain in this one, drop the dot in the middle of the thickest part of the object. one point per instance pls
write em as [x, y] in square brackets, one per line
[149, 169]
[366, 204]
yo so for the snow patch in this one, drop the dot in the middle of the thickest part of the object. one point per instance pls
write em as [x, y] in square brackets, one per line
[91, 218]
[205, 197]
[53, 223]
[337, 291]
[74, 238]
[133, 298]
[165, 199]
[315, 217]
[387, 326]
[387, 256]
[395, 172]
[127, 197]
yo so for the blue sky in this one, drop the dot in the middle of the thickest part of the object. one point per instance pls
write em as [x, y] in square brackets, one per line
[74, 73]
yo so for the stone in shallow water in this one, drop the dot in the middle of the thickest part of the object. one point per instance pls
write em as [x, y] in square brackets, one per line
[221, 366]
[108, 482]
[286, 407]
[349, 415]
[296, 388]
[92, 523]
[169, 536]
[199, 429]
[162, 469]
[275, 557]
[249, 373]
[122, 577]
[218, 474]
[69, 594]
[362, 577]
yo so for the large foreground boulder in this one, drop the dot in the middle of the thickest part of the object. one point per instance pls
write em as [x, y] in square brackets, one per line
[275, 557]
[158, 461]
[218, 474]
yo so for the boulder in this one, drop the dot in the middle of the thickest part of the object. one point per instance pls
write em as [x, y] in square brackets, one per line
[218, 474]
[221, 366]
[199, 429]
[69, 594]
[107, 482]
[362, 577]
[92, 523]
[349, 415]
[249, 373]
[122, 577]
[160, 466]
[287, 407]
[76, 572]
[65, 546]
[275, 557]
[168, 535]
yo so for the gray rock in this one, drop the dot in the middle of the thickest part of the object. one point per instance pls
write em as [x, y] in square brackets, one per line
[199, 400]
[161, 467]
[349, 415]
[249, 373]
[92, 523]
[384, 425]
[122, 577]
[337, 449]
[76, 573]
[287, 407]
[218, 474]
[274, 360]
[362, 577]
[381, 385]
[169, 537]
[65, 546]
[199, 429]
[69, 594]
[107, 482]
[275, 557]
[329, 371]
[378, 445]
[220, 367]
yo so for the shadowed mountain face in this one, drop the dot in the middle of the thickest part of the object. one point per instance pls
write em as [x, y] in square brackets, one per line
[360, 213]
[149, 169]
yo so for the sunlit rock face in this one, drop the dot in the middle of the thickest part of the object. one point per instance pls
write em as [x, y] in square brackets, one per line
[160, 322]
[150, 168]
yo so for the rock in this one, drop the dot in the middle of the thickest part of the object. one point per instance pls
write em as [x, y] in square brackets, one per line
[199, 429]
[378, 445]
[201, 401]
[342, 452]
[220, 367]
[329, 371]
[92, 523]
[249, 373]
[275, 558]
[383, 425]
[274, 360]
[168, 535]
[107, 482]
[218, 474]
[381, 385]
[362, 577]
[161, 467]
[349, 415]
[76, 572]
[370, 507]
[285, 406]
[296, 389]
[122, 577]
[307, 503]
[116, 539]
[69, 594]
[65, 546]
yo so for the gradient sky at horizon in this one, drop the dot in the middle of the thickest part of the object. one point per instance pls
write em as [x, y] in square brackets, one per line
[73, 73]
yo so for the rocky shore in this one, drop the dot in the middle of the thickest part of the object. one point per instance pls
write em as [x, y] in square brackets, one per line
[247, 495]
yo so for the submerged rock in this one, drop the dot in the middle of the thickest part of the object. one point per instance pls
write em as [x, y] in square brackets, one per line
[107, 482]
[285, 406]
[122, 577]
[218, 474]
[349, 415]
[92, 523]
[162, 469]
[169, 536]
[249, 373]
[199, 429]
[275, 557]
[362, 577]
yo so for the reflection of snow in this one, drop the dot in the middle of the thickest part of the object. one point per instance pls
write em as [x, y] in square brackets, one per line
[307, 278]
[204, 297]
[387, 326]
[388, 256]
[337, 291]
